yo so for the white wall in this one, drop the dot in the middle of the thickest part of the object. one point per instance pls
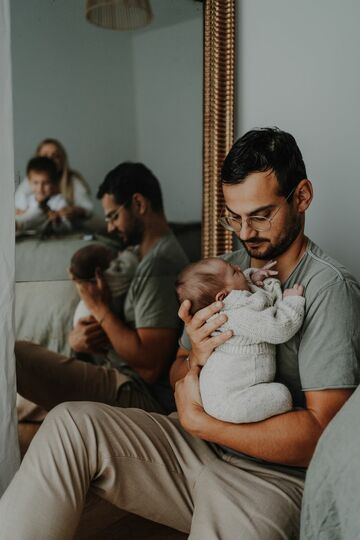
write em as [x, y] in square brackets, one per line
[298, 68]
[9, 449]
[168, 101]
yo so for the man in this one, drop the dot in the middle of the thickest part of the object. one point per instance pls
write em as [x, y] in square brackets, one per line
[144, 342]
[247, 483]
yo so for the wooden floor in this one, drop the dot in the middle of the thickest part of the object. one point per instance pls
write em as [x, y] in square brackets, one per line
[103, 521]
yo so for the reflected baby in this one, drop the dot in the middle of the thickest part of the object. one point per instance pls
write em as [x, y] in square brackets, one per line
[118, 269]
[237, 382]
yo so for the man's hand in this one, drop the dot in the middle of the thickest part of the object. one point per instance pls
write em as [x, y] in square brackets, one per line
[199, 331]
[89, 337]
[188, 402]
[258, 276]
[296, 290]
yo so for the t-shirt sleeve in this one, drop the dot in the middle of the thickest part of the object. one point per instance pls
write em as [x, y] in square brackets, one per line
[329, 352]
[154, 299]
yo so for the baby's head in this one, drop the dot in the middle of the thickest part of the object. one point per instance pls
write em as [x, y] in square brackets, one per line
[87, 260]
[207, 281]
[44, 178]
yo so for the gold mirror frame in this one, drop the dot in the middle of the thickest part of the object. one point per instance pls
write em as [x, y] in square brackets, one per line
[218, 122]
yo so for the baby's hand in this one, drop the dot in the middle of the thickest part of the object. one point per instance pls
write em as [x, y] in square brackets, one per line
[296, 290]
[258, 277]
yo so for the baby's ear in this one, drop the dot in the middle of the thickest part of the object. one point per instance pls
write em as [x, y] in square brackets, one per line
[221, 295]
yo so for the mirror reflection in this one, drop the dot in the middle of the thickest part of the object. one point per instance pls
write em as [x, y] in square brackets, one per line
[85, 100]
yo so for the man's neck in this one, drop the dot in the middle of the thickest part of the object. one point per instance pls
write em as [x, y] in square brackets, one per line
[154, 228]
[288, 260]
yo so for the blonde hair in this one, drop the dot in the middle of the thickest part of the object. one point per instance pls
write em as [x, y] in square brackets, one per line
[67, 174]
[199, 284]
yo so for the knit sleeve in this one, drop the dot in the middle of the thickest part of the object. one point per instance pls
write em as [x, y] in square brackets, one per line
[275, 324]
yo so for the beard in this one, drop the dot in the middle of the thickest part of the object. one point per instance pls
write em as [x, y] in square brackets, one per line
[269, 251]
[133, 235]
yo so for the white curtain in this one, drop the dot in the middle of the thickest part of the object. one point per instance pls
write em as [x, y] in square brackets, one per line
[9, 451]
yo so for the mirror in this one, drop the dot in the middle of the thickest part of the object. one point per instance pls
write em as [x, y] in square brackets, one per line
[108, 97]
[111, 96]
[150, 95]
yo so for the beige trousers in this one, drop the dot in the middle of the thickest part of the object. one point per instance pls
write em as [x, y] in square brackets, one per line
[147, 464]
[45, 379]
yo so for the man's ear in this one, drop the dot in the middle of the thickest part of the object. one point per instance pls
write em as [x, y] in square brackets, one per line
[221, 295]
[303, 195]
[139, 203]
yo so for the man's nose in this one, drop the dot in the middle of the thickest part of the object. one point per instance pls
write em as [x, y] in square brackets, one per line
[246, 232]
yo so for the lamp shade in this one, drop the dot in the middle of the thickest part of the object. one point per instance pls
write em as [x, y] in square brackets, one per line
[119, 14]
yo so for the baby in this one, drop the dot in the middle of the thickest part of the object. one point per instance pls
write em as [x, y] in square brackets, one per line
[44, 205]
[118, 270]
[236, 383]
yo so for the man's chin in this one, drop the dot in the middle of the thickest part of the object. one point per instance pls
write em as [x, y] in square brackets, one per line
[259, 251]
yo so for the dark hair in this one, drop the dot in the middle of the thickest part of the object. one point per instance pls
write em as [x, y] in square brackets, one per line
[44, 164]
[129, 178]
[86, 260]
[199, 285]
[265, 149]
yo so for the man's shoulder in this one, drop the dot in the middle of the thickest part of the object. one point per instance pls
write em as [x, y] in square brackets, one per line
[167, 257]
[239, 257]
[319, 270]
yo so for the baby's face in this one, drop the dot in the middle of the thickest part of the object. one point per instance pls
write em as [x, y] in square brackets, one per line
[231, 274]
[234, 278]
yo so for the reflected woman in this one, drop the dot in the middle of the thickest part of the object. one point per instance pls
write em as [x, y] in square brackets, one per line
[73, 187]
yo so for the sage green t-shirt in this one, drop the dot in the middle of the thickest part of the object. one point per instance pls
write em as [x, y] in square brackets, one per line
[151, 301]
[325, 353]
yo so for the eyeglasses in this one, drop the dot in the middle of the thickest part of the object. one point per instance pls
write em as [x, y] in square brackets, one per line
[257, 223]
[110, 218]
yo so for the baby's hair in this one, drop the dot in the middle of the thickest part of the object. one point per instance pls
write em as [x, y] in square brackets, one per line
[86, 260]
[199, 285]
[44, 164]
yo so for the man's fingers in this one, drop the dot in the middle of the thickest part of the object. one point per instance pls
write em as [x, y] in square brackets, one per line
[208, 328]
[184, 311]
[204, 314]
[220, 339]
[87, 320]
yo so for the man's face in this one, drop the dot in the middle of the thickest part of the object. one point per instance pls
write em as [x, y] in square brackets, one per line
[128, 226]
[259, 195]
[41, 185]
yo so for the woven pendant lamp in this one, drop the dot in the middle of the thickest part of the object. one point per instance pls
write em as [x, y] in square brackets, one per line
[119, 14]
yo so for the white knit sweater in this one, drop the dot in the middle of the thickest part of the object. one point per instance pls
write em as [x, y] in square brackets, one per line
[236, 381]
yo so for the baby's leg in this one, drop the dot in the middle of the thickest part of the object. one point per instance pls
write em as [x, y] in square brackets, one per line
[251, 404]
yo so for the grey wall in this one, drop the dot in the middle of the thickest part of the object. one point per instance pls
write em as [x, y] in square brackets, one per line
[298, 68]
[168, 100]
[76, 82]
[72, 81]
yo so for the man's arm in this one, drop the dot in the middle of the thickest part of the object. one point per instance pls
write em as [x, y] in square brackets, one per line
[288, 439]
[147, 350]
[179, 367]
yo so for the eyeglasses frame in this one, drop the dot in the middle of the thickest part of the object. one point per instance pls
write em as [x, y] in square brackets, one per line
[265, 219]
